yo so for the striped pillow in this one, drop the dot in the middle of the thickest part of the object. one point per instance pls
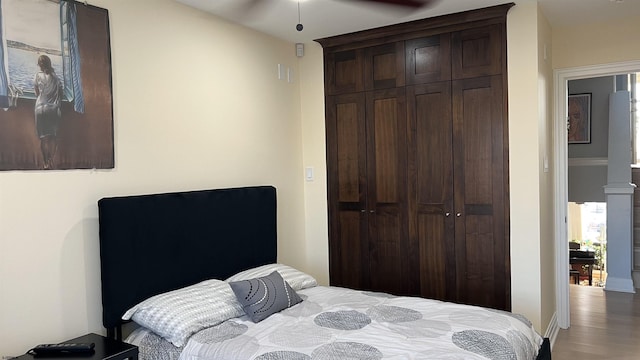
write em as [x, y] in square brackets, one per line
[296, 278]
[178, 314]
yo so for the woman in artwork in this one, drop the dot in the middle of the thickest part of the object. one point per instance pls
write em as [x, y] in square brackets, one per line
[578, 131]
[48, 88]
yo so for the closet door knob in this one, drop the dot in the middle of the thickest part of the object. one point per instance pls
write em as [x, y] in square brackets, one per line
[363, 211]
[372, 211]
[447, 214]
[458, 214]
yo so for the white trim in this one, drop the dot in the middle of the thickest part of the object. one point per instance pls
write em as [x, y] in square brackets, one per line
[619, 284]
[588, 161]
[635, 275]
[560, 79]
[552, 330]
[561, 199]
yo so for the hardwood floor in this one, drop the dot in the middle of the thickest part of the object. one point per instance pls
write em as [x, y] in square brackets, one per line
[604, 325]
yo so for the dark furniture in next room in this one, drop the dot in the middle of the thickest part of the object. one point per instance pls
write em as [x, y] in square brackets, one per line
[582, 262]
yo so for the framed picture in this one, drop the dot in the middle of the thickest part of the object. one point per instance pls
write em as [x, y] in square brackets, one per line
[56, 105]
[579, 119]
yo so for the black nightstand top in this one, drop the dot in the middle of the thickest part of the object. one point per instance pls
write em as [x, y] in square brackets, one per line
[105, 349]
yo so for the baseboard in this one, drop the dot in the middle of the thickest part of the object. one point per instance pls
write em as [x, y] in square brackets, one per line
[552, 330]
[619, 284]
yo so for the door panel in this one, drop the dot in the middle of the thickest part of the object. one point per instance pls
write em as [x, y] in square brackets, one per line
[428, 59]
[347, 189]
[431, 185]
[387, 199]
[384, 66]
[482, 244]
[343, 72]
[477, 52]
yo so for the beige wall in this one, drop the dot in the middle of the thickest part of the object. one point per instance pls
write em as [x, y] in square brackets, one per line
[197, 105]
[313, 148]
[525, 165]
[596, 44]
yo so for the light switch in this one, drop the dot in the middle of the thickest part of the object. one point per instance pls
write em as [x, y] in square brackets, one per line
[308, 173]
[545, 164]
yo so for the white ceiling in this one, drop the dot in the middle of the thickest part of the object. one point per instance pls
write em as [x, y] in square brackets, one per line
[323, 18]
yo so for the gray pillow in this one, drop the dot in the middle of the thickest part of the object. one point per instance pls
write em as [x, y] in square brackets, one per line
[261, 297]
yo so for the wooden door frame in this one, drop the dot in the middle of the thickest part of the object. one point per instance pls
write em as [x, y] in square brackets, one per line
[561, 78]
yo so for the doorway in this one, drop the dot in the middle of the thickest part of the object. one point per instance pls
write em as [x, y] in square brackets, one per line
[561, 79]
[587, 224]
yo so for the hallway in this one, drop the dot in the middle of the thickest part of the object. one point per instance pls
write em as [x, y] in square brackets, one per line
[604, 325]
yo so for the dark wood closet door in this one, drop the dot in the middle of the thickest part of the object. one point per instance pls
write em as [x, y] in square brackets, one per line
[384, 66]
[478, 52]
[480, 168]
[387, 196]
[431, 226]
[417, 158]
[347, 190]
[428, 59]
[344, 72]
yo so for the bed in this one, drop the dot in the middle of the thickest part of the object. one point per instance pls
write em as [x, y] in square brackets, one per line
[197, 271]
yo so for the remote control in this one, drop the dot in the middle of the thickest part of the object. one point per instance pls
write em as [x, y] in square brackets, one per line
[62, 349]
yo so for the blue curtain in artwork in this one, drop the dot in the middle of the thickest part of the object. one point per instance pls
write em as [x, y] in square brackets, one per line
[4, 80]
[74, 53]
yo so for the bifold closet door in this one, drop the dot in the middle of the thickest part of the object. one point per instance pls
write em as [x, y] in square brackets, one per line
[389, 265]
[480, 187]
[367, 168]
[431, 215]
[347, 190]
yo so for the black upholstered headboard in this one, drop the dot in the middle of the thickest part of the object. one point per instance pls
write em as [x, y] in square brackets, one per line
[150, 244]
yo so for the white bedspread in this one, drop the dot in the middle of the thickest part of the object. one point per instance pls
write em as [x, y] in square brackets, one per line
[336, 323]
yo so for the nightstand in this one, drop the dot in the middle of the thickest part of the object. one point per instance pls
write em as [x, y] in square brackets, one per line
[106, 349]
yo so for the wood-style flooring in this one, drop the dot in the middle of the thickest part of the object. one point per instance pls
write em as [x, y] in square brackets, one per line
[604, 325]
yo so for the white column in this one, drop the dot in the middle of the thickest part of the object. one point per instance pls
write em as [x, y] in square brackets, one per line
[619, 193]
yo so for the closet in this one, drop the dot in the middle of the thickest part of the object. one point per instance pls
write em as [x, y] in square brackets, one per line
[417, 158]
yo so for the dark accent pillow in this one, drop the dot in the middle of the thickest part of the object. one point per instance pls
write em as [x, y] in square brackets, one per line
[261, 297]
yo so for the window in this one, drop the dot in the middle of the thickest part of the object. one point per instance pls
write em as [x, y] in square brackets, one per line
[31, 28]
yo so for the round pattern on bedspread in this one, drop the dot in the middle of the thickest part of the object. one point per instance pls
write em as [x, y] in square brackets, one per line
[342, 320]
[298, 335]
[393, 314]
[346, 350]
[483, 319]
[484, 343]
[283, 355]
[421, 329]
[217, 334]
[153, 346]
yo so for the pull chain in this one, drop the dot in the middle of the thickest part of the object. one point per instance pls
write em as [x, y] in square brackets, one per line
[299, 27]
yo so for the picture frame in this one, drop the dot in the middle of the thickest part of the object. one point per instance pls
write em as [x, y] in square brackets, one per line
[56, 95]
[579, 119]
